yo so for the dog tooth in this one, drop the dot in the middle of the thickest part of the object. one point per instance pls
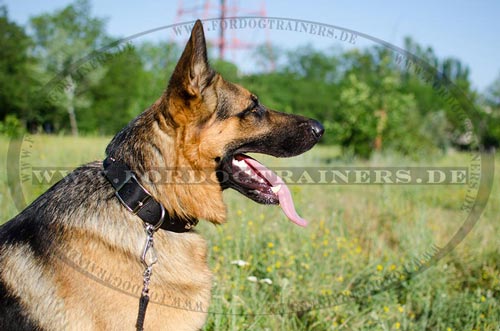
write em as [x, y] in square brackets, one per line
[276, 189]
[240, 164]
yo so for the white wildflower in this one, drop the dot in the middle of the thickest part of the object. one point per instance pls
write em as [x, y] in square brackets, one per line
[240, 263]
[266, 280]
[252, 279]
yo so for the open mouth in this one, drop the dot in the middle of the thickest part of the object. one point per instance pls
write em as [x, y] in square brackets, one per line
[252, 179]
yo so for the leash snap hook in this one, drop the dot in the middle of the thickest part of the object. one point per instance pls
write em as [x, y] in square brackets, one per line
[149, 248]
[148, 259]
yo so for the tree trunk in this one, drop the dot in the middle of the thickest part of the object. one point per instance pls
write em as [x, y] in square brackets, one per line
[72, 120]
[70, 94]
[381, 123]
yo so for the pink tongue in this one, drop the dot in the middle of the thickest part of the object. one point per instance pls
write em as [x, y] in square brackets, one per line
[284, 195]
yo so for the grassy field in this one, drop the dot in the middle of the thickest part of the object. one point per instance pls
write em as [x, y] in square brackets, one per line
[358, 248]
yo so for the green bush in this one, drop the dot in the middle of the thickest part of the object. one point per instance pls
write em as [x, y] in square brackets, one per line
[11, 126]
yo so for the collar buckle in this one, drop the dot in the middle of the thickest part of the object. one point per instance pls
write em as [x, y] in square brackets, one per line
[124, 190]
[137, 199]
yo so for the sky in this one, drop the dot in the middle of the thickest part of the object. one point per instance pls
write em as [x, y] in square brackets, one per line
[467, 30]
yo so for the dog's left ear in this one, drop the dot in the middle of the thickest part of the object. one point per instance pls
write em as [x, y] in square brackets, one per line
[193, 73]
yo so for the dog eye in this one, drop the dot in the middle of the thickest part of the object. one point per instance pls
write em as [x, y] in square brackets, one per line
[254, 108]
[258, 110]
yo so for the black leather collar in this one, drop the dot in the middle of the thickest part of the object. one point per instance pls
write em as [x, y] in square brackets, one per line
[139, 201]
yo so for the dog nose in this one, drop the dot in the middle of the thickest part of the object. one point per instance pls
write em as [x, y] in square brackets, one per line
[317, 129]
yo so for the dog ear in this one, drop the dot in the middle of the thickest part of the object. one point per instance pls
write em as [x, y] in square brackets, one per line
[193, 73]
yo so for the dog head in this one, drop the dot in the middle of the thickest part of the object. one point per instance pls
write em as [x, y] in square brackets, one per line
[206, 124]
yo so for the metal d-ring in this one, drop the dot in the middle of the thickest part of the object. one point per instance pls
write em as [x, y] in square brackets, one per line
[162, 218]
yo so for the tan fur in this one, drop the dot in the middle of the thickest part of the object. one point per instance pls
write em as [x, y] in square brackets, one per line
[98, 265]
[91, 275]
[39, 294]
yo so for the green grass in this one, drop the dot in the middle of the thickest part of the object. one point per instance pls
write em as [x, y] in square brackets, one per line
[359, 236]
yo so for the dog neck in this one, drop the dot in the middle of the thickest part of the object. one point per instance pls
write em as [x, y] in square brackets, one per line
[134, 197]
[158, 150]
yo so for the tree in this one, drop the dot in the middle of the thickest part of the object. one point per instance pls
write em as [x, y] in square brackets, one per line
[158, 62]
[116, 98]
[490, 123]
[132, 80]
[451, 74]
[314, 65]
[15, 75]
[493, 93]
[61, 39]
[306, 83]
[374, 111]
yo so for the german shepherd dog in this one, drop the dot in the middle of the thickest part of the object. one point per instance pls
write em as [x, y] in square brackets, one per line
[72, 259]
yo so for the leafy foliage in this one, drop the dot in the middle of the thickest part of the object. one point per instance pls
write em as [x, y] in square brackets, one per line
[61, 39]
[490, 122]
[11, 127]
[15, 80]
[112, 108]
